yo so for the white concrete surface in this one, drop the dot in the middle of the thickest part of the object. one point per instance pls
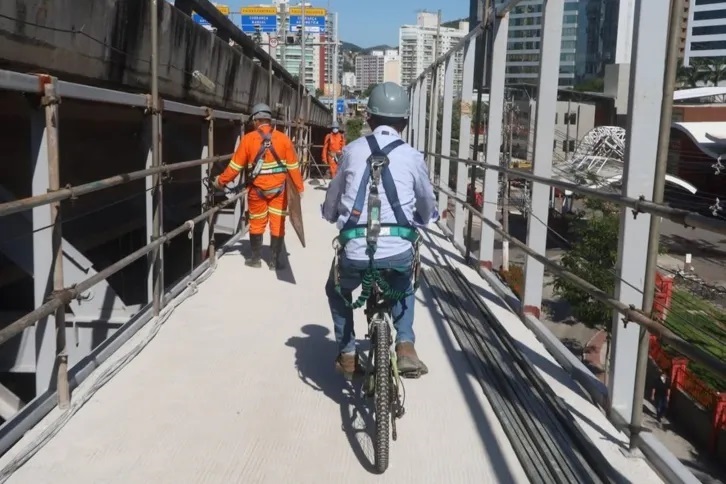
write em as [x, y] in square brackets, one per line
[239, 387]
[589, 417]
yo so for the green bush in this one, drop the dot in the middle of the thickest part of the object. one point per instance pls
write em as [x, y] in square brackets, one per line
[353, 129]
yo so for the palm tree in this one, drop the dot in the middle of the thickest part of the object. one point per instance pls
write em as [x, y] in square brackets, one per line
[715, 70]
[690, 76]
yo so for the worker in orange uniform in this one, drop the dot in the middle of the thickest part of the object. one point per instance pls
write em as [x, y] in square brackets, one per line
[333, 147]
[267, 155]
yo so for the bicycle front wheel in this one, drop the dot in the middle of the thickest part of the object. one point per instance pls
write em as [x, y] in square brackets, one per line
[382, 394]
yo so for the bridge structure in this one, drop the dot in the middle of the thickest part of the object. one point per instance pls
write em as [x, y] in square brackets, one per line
[167, 360]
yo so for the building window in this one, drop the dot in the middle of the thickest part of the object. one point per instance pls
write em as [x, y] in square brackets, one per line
[710, 15]
[710, 30]
[715, 45]
[568, 146]
[708, 2]
[571, 118]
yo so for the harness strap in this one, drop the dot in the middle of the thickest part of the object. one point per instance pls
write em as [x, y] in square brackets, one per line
[388, 185]
[407, 233]
[260, 157]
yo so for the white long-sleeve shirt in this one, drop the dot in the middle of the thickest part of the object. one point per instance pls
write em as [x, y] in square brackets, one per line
[410, 174]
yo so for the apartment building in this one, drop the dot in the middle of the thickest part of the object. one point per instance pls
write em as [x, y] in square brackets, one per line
[417, 48]
[369, 69]
[589, 37]
[391, 64]
[706, 30]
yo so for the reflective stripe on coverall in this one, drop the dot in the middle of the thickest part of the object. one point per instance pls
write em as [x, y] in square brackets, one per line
[267, 196]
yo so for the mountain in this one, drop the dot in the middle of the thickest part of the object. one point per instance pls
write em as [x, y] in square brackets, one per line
[377, 47]
[350, 51]
[349, 47]
[454, 24]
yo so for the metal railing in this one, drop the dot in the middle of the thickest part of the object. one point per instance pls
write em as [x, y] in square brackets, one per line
[50, 91]
[485, 49]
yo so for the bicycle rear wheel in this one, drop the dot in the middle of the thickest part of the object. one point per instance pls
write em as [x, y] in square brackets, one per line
[382, 394]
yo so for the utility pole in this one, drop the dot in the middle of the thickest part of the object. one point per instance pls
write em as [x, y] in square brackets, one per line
[434, 103]
[303, 47]
[283, 30]
[335, 66]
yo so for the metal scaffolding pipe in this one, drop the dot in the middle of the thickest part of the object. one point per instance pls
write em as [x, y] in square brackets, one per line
[630, 313]
[62, 298]
[15, 206]
[677, 215]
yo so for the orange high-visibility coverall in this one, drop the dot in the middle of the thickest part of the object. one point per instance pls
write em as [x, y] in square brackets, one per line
[334, 143]
[267, 195]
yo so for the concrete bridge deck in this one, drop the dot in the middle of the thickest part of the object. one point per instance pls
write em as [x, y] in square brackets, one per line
[238, 386]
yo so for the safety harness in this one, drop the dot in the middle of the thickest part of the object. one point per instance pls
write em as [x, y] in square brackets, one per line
[376, 172]
[258, 167]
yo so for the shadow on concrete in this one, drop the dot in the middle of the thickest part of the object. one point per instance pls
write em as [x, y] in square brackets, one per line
[709, 251]
[471, 394]
[314, 361]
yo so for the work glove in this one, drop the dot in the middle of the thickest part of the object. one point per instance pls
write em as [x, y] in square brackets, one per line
[216, 184]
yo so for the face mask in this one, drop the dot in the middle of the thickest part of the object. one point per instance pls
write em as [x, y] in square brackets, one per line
[335, 130]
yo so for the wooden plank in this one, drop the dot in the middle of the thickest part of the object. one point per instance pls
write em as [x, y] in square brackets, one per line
[294, 209]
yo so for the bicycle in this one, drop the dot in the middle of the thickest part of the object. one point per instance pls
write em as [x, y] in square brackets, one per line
[382, 382]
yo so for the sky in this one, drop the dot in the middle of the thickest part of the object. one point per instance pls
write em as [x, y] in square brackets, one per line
[375, 22]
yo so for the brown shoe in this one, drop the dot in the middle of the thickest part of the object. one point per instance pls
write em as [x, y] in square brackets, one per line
[409, 365]
[347, 364]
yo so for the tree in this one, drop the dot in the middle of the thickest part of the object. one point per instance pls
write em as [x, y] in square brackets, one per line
[595, 84]
[319, 92]
[353, 129]
[592, 257]
[368, 90]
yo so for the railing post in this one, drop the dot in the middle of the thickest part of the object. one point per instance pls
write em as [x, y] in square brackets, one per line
[208, 243]
[158, 284]
[50, 103]
[641, 147]
[445, 164]
[494, 138]
[42, 250]
[538, 213]
[240, 205]
[651, 266]
[467, 88]
[423, 97]
[433, 122]
[413, 123]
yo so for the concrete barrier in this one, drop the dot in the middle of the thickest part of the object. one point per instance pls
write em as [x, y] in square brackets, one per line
[107, 44]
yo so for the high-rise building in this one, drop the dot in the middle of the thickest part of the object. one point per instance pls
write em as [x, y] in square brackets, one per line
[391, 64]
[287, 48]
[706, 37]
[589, 37]
[369, 70]
[417, 48]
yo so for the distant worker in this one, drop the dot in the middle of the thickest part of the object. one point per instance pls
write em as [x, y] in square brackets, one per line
[267, 155]
[333, 148]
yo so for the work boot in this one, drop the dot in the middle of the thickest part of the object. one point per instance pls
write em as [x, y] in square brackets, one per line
[348, 364]
[256, 246]
[409, 366]
[277, 245]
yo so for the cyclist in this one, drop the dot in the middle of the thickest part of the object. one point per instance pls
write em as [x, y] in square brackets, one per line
[332, 146]
[407, 188]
